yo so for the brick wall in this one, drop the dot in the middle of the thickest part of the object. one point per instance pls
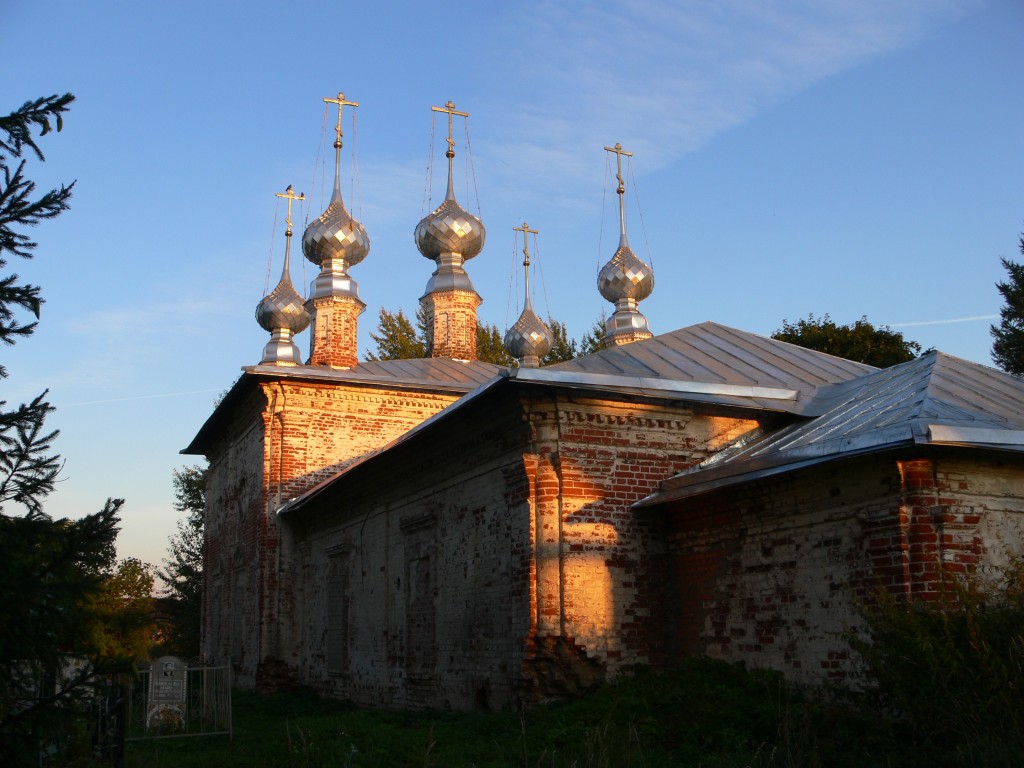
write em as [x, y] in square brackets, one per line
[517, 516]
[333, 335]
[433, 557]
[451, 324]
[283, 438]
[593, 459]
[770, 573]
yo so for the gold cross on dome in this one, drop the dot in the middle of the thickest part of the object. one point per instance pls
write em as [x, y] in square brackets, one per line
[525, 229]
[449, 107]
[289, 195]
[340, 101]
[619, 152]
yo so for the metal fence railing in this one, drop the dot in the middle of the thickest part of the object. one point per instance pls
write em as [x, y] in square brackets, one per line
[204, 707]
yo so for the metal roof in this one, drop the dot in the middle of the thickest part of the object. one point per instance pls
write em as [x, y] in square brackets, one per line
[428, 373]
[425, 372]
[716, 354]
[935, 399]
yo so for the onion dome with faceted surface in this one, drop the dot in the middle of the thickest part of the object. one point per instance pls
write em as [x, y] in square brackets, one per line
[625, 276]
[283, 308]
[335, 235]
[450, 229]
[529, 337]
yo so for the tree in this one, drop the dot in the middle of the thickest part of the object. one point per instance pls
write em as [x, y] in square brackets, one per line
[1008, 347]
[562, 348]
[490, 345]
[591, 341]
[859, 341]
[396, 339]
[121, 623]
[52, 572]
[50, 569]
[183, 567]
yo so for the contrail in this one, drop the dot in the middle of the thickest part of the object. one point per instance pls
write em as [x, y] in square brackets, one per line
[944, 322]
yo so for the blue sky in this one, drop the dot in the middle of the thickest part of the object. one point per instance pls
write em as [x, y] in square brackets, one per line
[851, 157]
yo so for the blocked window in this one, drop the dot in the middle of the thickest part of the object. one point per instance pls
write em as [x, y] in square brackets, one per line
[421, 617]
[337, 613]
[238, 598]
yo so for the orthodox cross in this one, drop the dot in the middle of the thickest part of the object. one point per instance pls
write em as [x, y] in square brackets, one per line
[619, 152]
[289, 195]
[449, 107]
[340, 101]
[525, 229]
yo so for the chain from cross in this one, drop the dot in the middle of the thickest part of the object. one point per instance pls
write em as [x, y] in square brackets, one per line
[449, 107]
[619, 152]
[289, 195]
[525, 229]
[340, 101]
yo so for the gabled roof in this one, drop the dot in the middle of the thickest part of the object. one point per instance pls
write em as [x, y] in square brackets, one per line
[422, 374]
[710, 353]
[935, 399]
[707, 363]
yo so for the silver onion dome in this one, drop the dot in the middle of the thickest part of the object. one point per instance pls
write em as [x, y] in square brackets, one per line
[450, 229]
[282, 309]
[529, 337]
[625, 276]
[335, 235]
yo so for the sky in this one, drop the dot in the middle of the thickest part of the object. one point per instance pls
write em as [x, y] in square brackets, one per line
[849, 157]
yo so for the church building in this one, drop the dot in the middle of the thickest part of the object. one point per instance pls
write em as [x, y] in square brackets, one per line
[444, 532]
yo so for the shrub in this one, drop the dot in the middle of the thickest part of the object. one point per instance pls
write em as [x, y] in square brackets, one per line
[952, 668]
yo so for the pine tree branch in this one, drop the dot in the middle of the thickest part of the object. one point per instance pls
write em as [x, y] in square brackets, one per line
[18, 125]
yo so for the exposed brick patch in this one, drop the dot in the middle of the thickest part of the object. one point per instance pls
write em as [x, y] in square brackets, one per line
[556, 667]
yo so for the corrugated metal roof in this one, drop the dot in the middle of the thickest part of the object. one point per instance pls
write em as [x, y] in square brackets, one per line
[713, 353]
[936, 399]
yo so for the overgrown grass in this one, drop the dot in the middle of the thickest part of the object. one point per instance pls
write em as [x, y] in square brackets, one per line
[705, 714]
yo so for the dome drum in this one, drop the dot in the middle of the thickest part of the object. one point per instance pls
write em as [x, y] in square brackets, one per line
[449, 275]
[333, 280]
[281, 349]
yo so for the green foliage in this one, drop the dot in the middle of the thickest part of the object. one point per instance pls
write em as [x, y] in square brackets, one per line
[53, 571]
[952, 668]
[16, 203]
[183, 567]
[704, 713]
[859, 341]
[591, 341]
[396, 339]
[120, 612]
[1008, 347]
[563, 348]
[28, 468]
[490, 345]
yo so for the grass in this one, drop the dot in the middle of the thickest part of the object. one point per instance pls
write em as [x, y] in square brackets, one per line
[705, 714]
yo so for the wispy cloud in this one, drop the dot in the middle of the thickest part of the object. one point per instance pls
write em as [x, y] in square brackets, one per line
[669, 77]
